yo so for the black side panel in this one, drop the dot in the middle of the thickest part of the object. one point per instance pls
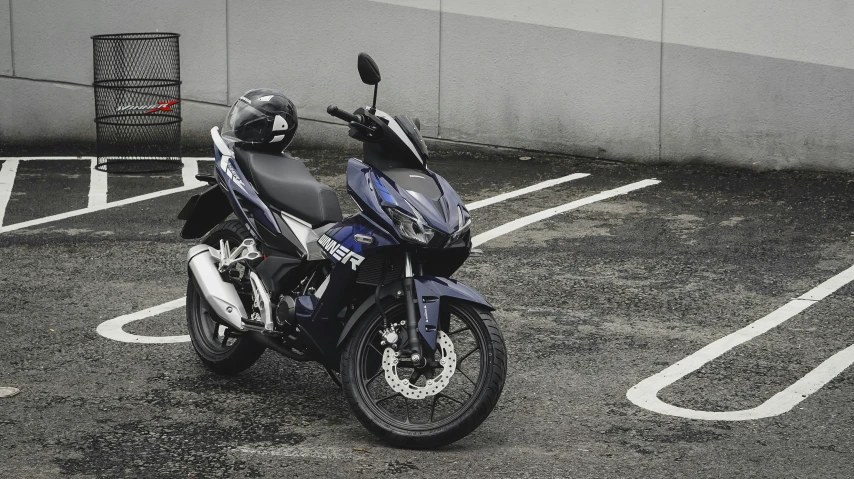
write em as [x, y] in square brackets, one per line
[445, 262]
[285, 242]
[279, 273]
[203, 212]
[323, 329]
[390, 289]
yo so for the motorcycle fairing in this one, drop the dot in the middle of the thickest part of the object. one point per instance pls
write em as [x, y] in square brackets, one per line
[431, 292]
[321, 329]
[438, 217]
[453, 200]
[320, 324]
[343, 246]
[372, 190]
[242, 196]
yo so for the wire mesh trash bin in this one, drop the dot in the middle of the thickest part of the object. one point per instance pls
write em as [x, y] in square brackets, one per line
[137, 102]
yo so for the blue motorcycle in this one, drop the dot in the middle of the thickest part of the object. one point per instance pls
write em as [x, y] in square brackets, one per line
[419, 356]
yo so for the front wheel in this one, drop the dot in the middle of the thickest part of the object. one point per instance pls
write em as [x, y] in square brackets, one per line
[431, 406]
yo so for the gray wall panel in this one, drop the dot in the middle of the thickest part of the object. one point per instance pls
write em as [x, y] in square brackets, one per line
[523, 85]
[5, 39]
[65, 113]
[587, 84]
[52, 38]
[308, 48]
[746, 110]
[31, 112]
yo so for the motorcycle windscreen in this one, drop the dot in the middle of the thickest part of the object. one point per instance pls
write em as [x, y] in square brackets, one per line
[414, 135]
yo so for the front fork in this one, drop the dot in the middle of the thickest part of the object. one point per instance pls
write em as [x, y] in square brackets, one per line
[410, 296]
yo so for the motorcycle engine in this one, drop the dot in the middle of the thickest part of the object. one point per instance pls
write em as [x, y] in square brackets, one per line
[286, 312]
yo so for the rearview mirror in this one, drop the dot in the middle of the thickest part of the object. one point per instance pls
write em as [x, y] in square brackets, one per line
[368, 70]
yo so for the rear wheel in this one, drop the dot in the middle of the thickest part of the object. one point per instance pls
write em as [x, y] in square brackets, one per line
[219, 347]
[422, 407]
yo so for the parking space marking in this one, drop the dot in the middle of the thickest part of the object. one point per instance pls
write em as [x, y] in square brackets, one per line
[112, 328]
[188, 185]
[97, 186]
[189, 171]
[527, 220]
[512, 194]
[645, 393]
[115, 325]
[7, 180]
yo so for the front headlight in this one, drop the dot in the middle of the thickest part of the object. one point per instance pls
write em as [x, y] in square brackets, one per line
[412, 229]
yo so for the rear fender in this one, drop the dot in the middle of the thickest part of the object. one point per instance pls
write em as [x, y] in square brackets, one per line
[432, 293]
[204, 211]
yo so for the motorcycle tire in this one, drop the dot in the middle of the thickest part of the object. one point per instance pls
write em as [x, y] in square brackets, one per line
[219, 352]
[358, 363]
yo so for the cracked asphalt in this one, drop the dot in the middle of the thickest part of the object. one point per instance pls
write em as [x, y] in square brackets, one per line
[590, 302]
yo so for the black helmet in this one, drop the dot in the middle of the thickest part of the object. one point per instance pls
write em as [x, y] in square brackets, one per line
[261, 119]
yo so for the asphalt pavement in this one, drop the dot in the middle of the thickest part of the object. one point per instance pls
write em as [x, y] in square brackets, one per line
[592, 301]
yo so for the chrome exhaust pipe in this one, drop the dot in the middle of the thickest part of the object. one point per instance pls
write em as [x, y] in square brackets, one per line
[220, 295]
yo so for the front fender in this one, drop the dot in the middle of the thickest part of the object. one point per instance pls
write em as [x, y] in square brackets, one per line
[432, 292]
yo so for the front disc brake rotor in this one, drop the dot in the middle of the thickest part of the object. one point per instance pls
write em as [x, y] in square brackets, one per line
[434, 386]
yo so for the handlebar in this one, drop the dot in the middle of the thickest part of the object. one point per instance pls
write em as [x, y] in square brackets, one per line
[348, 117]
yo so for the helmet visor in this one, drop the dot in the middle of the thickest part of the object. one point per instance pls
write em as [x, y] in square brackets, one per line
[247, 124]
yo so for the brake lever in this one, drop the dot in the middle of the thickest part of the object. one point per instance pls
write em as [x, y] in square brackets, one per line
[362, 126]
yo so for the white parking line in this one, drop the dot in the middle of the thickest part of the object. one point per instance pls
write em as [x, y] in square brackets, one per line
[70, 214]
[479, 239]
[98, 190]
[7, 180]
[189, 172]
[525, 221]
[512, 194]
[300, 451]
[645, 393]
[188, 185]
[97, 186]
[113, 328]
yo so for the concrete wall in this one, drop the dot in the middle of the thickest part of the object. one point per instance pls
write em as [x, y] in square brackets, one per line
[5, 39]
[764, 83]
[519, 83]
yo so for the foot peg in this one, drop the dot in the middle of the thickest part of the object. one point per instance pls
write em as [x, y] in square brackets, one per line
[245, 251]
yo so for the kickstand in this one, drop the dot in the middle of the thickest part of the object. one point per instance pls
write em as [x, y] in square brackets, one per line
[334, 377]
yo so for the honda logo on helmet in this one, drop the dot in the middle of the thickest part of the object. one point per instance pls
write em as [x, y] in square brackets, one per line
[159, 106]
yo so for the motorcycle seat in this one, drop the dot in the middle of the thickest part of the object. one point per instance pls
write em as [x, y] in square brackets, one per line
[285, 183]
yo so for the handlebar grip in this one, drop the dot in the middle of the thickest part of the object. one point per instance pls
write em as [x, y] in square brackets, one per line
[348, 117]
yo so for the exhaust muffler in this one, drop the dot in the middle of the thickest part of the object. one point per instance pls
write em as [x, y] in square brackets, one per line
[220, 295]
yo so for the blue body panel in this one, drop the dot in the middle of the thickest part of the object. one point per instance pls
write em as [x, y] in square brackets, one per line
[344, 234]
[372, 190]
[431, 291]
[242, 195]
